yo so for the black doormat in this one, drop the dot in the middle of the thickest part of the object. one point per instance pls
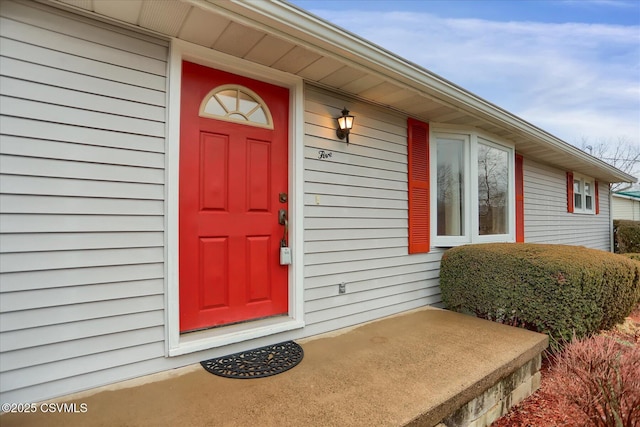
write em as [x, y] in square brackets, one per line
[258, 363]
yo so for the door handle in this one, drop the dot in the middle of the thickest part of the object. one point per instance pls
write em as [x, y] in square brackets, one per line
[285, 251]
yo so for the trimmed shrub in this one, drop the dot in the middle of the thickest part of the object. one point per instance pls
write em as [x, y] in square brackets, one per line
[632, 255]
[560, 290]
[626, 236]
[635, 258]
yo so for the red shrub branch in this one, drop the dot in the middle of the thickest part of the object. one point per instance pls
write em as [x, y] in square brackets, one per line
[601, 376]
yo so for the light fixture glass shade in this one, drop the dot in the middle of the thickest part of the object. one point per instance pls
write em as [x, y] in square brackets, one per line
[345, 121]
[342, 122]
[345, 124]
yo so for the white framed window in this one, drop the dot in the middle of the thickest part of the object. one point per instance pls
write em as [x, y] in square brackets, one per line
[583, 195]
[473, 199]
[452, 170]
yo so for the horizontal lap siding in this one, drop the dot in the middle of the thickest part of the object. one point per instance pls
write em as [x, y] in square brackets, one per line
[356, 219]
[626, 208]
[546, 219]
[81, 202]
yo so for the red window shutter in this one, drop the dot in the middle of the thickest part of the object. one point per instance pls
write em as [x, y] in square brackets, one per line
[519, 199]
[595, 189]
[418, 150]
[569, 192]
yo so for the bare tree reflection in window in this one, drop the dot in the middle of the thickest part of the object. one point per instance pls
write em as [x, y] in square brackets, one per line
[450, 187]
[493, 190]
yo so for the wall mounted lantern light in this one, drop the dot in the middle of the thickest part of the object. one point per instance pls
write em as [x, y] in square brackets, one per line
[345, 123]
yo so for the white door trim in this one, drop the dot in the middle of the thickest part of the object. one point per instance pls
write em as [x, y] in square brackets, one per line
[176, 344]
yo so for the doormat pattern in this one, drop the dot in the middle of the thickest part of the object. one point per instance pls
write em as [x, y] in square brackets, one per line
[261, 362]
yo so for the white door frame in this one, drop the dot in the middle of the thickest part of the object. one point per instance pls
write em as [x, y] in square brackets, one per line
[175, 343]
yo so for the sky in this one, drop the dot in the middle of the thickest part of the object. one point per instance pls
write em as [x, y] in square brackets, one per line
[570, 67]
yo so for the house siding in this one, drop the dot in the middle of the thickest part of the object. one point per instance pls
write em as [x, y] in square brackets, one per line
[83, 209]
[81, 199]
[356, 218]
[546, 219]
[624, 208]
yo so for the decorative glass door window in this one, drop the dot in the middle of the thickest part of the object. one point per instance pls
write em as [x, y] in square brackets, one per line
[235, 103]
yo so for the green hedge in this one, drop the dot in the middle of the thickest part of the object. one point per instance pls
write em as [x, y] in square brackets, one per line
[555, 289]
[632, 255]
[626, 236]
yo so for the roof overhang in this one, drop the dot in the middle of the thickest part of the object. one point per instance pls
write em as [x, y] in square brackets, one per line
[328, 56]
[635, 198]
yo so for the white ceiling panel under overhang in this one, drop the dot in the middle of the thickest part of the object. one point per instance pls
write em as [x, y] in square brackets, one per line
[279, 35]
[191, 30]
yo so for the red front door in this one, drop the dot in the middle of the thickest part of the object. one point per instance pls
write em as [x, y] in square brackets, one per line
[232, 171]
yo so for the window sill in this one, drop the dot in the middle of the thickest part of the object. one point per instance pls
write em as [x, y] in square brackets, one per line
[480, 240]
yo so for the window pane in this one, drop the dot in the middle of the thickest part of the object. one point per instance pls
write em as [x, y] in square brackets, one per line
[228, 98]
[577, 194]
[258, 116]
[588, 200]
[246, 103]
[450, 189]
[493, 190]
[214, 108]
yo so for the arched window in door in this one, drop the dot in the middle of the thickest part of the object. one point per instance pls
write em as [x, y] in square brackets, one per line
[234, 103]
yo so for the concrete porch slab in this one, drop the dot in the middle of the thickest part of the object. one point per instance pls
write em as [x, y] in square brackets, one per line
[416, 368]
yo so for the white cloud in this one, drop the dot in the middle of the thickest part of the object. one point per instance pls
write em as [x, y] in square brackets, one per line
[622, 4]
[570, 79]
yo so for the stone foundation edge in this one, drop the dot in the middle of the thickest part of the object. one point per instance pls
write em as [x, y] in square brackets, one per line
[499, 398]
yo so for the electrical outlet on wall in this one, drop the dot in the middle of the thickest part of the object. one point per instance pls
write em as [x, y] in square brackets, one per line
[342, 288]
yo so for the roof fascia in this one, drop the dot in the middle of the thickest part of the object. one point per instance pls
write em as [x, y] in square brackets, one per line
[624, 196]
